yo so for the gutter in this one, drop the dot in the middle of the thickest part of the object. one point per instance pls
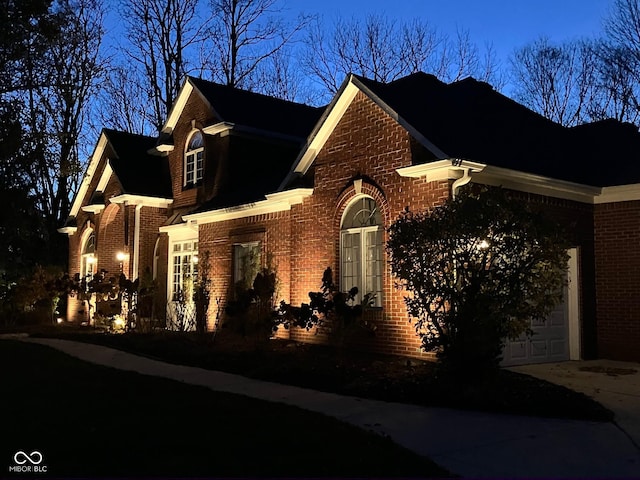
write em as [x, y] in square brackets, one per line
[463, 180]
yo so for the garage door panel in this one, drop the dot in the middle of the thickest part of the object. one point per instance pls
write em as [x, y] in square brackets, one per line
[558, 348]
[549, 342]
[517, 350]
[538, 348]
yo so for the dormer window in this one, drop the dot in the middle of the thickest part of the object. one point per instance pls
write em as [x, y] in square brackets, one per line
[194, 159]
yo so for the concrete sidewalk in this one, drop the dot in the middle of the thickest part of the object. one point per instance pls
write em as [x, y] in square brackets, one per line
[616, 385]
[471, 444]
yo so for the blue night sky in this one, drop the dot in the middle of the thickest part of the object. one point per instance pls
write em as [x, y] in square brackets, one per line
[506, 24]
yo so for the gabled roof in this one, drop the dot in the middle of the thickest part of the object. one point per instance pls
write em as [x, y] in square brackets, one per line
[250, 174]
[248, 109]
[469, 120]
[139, 172]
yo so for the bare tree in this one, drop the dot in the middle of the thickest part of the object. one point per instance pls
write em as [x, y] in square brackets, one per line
[162, 36]
[123, 103]
[244, 34]
[384, 50]
[617, 89]
[557, 81]
[278, 76]
[622, 25]
[620, 60]
[56, 106]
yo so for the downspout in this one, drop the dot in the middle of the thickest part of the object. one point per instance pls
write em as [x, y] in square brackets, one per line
[136, 242]
[466, 178]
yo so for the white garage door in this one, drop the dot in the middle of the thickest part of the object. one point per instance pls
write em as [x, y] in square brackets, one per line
[558, 337]
[549, 343]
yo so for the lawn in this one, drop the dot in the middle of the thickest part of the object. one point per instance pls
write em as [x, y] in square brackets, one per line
[355, 373]
[93, 421]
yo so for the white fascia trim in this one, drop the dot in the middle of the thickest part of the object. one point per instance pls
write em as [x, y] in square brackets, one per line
[448, 169]
[105, 177]
[241, 211]
[93, 208]
[178, 107]
[142, 200]
[538, 184]
[294, 196]
[275, 202]
[91, 170]
[217, 128]
[162, 148]
[180, 232]
[68, 230]
[619, 193]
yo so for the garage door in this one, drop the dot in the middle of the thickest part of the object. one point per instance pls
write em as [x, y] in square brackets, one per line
[549, 343]
[557, 338]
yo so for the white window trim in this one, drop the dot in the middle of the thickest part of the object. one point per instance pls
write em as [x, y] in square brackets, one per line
[362, 274]
[194, 255]
[193, 153]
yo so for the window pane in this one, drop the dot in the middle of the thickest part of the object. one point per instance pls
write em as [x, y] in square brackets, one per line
[246, 263]
[196, 141]
[350, 261]
[374, 267]
[199, 165]
[189, 167]
[184, 268]
[362, 213]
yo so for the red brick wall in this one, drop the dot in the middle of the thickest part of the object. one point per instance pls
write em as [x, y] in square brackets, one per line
[110, 239]
[617, 241]
[151, 218]
[369, 145]
[218, 239]
[195, 109]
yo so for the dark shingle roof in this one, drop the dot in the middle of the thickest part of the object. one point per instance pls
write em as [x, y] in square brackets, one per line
[259, 111]
[139, 172]
[251, 171]
[468, 119]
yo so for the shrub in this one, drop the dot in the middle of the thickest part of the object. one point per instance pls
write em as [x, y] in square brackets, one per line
[477, 269]
[330, 308]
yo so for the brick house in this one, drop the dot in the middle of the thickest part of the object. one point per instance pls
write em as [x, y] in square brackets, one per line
[243, 176]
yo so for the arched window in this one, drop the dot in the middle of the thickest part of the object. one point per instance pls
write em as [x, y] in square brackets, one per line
[88, 257]
[194, 159]
[361, 254]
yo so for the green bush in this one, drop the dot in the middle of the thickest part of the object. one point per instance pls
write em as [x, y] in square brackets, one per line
[476, 270]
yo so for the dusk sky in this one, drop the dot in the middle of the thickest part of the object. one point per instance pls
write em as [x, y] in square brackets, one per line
[506, 24]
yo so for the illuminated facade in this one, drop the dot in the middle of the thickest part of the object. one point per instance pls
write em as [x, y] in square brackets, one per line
[248, 179]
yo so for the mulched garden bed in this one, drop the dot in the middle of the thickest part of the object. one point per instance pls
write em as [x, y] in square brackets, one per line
[350, 372]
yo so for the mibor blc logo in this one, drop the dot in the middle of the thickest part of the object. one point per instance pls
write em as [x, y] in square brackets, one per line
[27, 462]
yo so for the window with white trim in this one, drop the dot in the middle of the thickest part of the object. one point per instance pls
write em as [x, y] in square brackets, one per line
[361, 250]
[184, 269]
[88, 258]
[194, 159]
[246, 263]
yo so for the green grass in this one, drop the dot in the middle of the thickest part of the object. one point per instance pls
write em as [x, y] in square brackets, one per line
[355, 373]
[93, 421]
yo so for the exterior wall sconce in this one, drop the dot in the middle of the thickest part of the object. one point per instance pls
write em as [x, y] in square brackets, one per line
[121, 257]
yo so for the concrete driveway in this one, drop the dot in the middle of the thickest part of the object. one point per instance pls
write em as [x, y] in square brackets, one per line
[616, 385]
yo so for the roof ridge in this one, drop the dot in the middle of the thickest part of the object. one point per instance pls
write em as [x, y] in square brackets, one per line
[249, 92]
